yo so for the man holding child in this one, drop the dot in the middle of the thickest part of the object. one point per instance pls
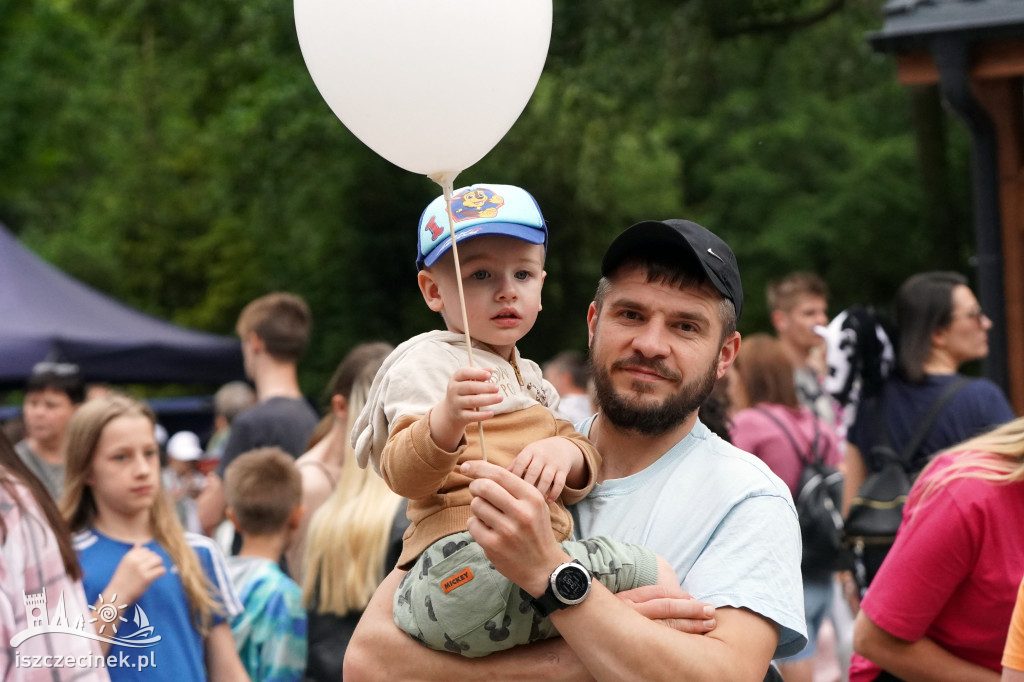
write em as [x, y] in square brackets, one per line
[662, 330]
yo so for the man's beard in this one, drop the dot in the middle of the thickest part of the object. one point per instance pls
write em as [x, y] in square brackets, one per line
[650, 419]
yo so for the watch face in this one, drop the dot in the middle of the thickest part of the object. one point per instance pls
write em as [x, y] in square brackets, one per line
[572, 583]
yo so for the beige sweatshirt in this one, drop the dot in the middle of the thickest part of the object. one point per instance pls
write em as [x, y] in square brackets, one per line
[392, 431]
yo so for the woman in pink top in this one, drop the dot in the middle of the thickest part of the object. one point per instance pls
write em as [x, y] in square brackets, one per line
[39, 575]
[774, 426]
[940, 606]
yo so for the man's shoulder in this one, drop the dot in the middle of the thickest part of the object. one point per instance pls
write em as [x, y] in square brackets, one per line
[704, 472]
[727, 464]
[273, 408]
[282, 422]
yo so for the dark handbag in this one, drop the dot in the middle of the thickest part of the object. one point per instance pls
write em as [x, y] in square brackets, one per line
[818, 503]
[886, 676]
[877, 510]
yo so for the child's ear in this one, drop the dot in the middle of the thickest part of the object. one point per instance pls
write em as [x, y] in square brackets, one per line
[295, 517]
[339, 407]
[430, 290]
[230, 513]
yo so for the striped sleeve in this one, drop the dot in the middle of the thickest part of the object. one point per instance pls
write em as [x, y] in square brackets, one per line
[216, 568]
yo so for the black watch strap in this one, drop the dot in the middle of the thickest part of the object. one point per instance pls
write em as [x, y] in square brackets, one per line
[550, 602]
[547, 603]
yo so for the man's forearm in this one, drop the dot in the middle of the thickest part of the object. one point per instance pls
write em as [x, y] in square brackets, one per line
[616, 643]
[380, 651]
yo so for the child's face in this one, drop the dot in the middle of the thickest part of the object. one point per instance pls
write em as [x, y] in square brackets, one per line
[501, 280]
[125, 470]
[181, 468]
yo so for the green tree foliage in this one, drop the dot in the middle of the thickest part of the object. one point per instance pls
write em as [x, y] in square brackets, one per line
[179, 157]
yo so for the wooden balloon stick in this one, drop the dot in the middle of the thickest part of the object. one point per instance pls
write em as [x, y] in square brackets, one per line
[446, 180]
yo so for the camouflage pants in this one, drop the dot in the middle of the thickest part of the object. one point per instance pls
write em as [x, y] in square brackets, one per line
[452, 599]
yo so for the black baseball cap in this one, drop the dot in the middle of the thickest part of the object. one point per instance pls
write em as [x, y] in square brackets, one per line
[690, 241]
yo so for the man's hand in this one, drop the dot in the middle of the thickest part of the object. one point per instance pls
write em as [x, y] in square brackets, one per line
[672, 607]
[512, 524]
[548, 463]
[468, 390]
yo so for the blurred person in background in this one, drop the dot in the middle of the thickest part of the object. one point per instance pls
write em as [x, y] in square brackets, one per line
[36, 556]
[798, 303]
[53, 392]
[569, 374]
[274, 330]
[228, 402]
[1013, 654]
[353, 540]
[14, 429]
[773, 425]
[324, 466]
[182, 478]
[940, 606]
[940, 327]
[95, 390]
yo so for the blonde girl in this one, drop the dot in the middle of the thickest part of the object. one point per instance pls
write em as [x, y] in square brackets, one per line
[354, 540]
[323, 466]
[940, 606]
[150, 583]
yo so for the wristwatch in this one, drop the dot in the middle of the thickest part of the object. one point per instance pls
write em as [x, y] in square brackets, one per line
[568, 585]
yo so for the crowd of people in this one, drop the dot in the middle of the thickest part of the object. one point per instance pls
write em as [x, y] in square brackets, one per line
[462, 512]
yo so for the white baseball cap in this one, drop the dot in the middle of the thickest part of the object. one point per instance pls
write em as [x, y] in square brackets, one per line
[184, 446]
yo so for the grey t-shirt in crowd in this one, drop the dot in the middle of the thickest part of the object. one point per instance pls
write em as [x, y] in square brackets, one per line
[51, 475]
[286, 423]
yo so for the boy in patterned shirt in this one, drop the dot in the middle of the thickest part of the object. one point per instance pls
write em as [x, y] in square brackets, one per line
[264, 492]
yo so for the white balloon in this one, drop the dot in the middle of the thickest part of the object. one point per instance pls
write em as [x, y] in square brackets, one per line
[430, 85]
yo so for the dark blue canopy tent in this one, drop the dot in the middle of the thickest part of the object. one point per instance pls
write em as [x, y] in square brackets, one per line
[45, 314]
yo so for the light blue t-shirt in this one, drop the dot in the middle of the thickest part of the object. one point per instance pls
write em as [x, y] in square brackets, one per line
[721, 518]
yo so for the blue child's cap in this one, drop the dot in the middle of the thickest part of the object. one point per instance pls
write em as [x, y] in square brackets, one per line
[479, 210]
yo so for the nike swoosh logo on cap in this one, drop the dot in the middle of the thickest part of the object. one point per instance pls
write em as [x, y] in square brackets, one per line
[716, 255]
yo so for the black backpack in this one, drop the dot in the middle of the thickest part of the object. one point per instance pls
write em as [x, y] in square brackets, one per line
[877, 510]
[819, 502]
